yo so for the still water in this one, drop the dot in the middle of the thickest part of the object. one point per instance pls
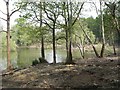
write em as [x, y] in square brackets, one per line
[24, 57]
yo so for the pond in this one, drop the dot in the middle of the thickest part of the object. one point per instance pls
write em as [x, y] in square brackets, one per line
[23, 57]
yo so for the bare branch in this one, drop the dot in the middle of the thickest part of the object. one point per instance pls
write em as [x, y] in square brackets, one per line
[3, 12]
[47, 24]
[3, 19]
[5, 1]
[36, 15]
[14, 11]
[78, 14]
[49, 16]
[95, 8]
[3, 31]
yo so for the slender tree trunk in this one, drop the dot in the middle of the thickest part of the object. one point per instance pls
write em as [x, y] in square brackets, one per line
[81, 46]
[9, 67]
[67, 51]
[113, 44]
[102, 50]
[42, 47]
[66, 29]
[54, 48]
[96, 53]
[88, 38]
[42, 37]
[114, 49]
[102, 28]
[81, 51]
[116, 24]
[69, 58]
[53, 19]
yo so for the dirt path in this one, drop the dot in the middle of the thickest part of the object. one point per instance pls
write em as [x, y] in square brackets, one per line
[90, 73]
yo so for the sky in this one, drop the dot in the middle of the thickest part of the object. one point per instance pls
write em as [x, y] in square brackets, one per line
[86, 12]
[3, 9]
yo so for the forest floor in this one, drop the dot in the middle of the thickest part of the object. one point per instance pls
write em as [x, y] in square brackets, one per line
[86, 73]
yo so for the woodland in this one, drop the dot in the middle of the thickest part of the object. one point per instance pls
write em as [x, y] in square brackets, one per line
[61, 25]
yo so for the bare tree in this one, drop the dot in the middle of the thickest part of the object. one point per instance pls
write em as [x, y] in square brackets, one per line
[8, 16]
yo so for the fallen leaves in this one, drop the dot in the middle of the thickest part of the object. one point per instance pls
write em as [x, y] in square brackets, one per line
[89, 73]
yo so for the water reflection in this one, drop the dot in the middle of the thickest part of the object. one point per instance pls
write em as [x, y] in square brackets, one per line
[60, 56]
[24, 57]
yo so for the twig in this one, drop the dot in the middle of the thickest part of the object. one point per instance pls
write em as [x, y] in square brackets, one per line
[3, 12]
[78, 14]
[3, 19]
[3, 31]
[5, 1]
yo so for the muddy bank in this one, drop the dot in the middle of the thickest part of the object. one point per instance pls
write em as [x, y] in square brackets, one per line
[89, 73]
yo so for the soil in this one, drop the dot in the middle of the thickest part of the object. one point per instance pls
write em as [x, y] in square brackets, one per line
[86, 73]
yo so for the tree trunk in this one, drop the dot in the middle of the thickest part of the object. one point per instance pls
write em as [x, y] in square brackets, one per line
[69, 59]
[66, 29]
[81, 51]
[42, 38]
[117, 25]
[114, 49]
[102, 29]
[88, 38]
[9, 67]
[102, 50]
[113, 44]
[67, 51]
[42, 47]
[54, 48]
